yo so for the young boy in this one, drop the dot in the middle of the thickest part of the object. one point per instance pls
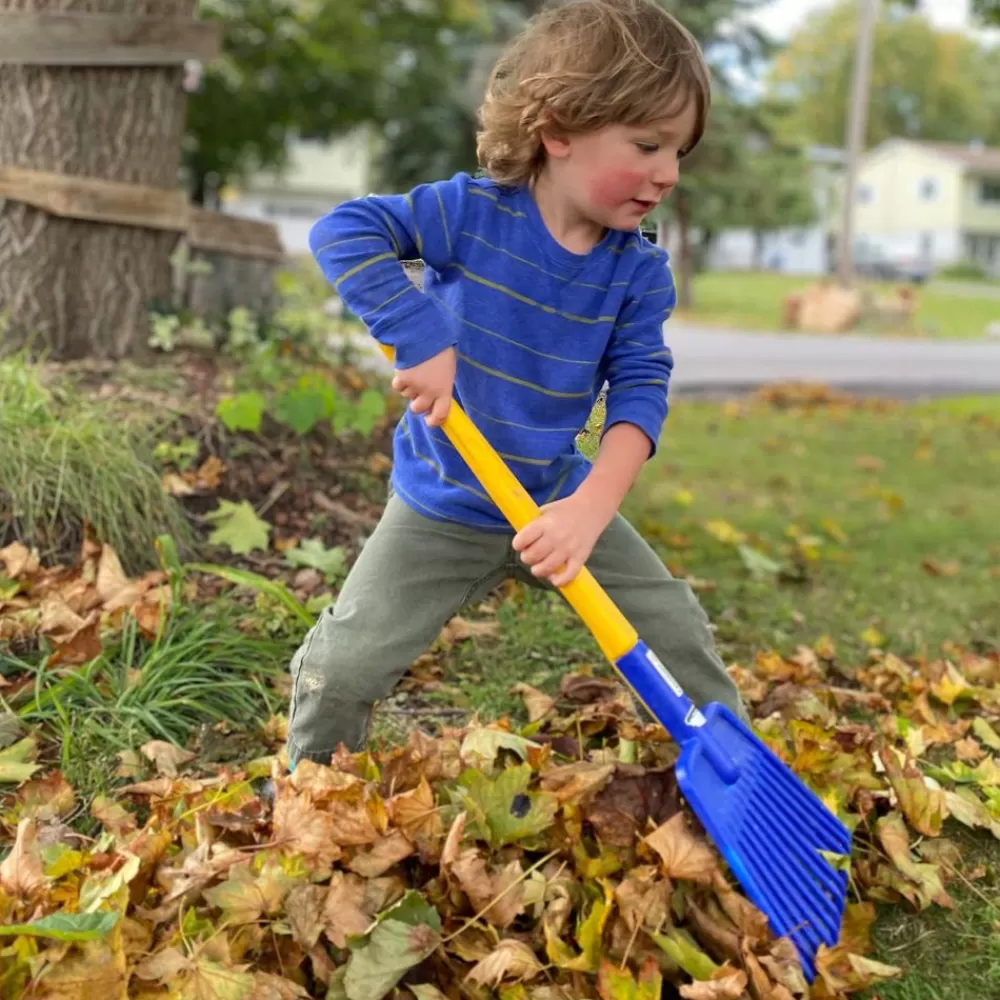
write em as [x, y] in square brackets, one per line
[538, 290]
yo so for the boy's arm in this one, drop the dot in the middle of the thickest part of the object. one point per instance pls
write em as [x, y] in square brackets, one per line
[359, 247]
[557, 544]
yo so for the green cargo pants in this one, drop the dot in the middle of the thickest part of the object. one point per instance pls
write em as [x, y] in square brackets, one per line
[413, 574]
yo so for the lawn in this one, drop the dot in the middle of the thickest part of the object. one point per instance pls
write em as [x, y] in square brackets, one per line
[882, 525]
[753, 301]
[842, 550]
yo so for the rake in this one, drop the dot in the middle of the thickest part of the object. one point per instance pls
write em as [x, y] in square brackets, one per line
[771, 828]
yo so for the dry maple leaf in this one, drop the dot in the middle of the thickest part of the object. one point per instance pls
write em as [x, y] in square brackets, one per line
[300, 828]
[21, 872]
[386, 852]
[344, 913]
[166, 756]
[114, 588]
[510, 960]
[684, 855]
[500, 897]
[416, 813]
[18, 561]
[574, 782]
[459, 629]
[968, 749]
[725, 984]
[925, 807]
[537, 703]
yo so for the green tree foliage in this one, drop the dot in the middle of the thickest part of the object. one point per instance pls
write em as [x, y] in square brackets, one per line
[313, 68]
[926, 84]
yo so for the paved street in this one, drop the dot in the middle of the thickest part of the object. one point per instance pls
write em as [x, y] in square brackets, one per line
[712, 360]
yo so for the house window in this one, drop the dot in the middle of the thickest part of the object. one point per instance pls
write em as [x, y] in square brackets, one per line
[989, 191]
[928, 189]
[866, 194]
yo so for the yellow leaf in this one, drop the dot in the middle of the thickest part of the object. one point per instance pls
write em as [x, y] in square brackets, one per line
[986, 733]
[872, 636]
[725, 984]
[924, 807]
[724, 532]
[683, 498]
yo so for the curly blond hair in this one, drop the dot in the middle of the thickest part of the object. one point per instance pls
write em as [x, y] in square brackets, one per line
[581, 66]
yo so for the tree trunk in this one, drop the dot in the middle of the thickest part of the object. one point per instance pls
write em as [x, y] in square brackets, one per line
[685, 295]
[757, 261]
[81, 288]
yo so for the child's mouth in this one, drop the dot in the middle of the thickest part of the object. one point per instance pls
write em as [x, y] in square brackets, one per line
[644, 206]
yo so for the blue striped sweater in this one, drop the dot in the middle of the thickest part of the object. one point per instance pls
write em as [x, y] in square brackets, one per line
[538, 331]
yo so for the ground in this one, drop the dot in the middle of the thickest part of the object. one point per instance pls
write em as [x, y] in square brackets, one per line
[753, 301]
[846, 552]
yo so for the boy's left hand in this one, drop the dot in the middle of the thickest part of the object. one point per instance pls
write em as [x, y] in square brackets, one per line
[557, 544]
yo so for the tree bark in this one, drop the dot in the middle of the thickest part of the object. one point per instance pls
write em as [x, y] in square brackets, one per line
[73, 288]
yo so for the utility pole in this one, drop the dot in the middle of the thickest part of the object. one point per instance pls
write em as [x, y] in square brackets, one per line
[857, 122]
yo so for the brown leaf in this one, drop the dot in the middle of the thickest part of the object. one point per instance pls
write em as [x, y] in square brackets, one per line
[586, 689]
[344, 913]
[538, 703]
[483, 888]
[634, 797]
[459, 629]
[46, 798]
[167, 757]
[416, 813]
[574, 782]
[969, 750]
[510, 960]
[76, 639]
[643, 898]
[725, 984]
[684, 855]
[385, 853]
[267, 986]
[18, 561]
[176, 485]
[304, 906]
[869, 463]
[301, 828]
[749, 921]
[113, 587]
[935, 568]
[163, 965]
[21, 872]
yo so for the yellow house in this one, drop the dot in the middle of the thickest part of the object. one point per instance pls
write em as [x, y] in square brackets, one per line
[929, 202]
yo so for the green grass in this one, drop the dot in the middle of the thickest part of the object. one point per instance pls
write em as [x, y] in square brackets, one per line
[763, 471]
[65, 462]
[754, 301]
[202, 669]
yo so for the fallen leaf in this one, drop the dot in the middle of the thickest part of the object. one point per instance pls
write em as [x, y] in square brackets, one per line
[684, 855]
[510, 960]
[537, 703]
[21, 872]
[167, 757]
[725, 984]
[459, 629]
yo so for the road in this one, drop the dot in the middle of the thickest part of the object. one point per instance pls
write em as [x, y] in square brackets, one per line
[714, 361]
[717, 362]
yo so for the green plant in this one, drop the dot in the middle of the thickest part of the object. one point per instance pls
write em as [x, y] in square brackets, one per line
[202, 667]
[65, 463]
[964, 270]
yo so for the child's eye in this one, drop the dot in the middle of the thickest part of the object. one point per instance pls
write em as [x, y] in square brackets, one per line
[647, 147]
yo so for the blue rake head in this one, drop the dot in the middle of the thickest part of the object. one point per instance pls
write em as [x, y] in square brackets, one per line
[767, 823]
[770, 828]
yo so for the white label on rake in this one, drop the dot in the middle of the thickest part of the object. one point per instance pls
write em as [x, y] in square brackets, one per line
[665, 674]
[694, 718]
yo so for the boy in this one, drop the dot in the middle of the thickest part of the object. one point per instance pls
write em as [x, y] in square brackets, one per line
[538, 289]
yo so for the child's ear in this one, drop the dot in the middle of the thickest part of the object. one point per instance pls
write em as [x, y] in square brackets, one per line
[555, 145]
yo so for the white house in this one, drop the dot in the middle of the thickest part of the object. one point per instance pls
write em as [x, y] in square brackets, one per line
[793, 250]
[319, 176]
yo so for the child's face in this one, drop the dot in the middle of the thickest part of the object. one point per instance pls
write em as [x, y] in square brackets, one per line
[617, 175]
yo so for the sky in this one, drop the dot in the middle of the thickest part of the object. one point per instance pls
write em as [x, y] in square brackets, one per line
[781, 17]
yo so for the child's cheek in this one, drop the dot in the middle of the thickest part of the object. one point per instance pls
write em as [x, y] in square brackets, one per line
[612, 188]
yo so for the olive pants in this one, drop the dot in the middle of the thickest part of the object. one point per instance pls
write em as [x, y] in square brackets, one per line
[414, 574]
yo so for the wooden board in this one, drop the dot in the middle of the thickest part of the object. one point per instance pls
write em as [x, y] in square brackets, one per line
[215, 232]
[95, 200]
[78, 39]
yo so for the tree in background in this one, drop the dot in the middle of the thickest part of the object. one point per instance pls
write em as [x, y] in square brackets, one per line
[926, 84]
[312, 68]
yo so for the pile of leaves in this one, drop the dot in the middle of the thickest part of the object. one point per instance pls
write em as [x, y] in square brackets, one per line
[550, 862]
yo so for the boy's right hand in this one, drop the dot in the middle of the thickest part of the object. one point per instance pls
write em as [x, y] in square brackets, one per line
[428, 386]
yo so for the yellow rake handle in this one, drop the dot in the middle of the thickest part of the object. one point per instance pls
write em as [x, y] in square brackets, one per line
[586, 596]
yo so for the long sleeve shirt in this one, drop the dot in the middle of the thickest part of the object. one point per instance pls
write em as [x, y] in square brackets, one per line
[538, 332]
